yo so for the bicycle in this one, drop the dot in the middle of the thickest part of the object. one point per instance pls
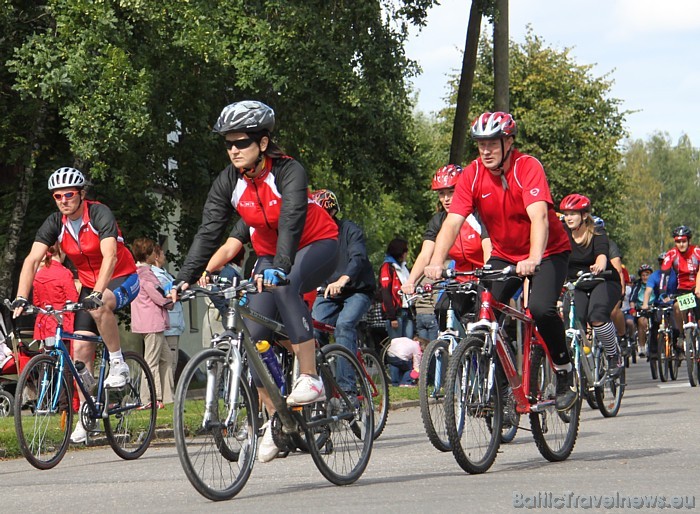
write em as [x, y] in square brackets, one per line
[46, 389]
[650, 314]
[599, 390]
[666, 360]
[215, 418]
[473, 404]
[375, 374]
[687, 304]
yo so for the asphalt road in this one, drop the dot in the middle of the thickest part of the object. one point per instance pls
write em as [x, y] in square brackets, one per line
[651, 449]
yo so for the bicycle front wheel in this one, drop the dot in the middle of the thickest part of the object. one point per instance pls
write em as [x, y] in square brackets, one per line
[217, 457]
[132, 410]
[379, 388]
[554, 432]
[43, 412]
[473, 410]
[609, 393]
[431, 390]
[691, 346]
[345, 418]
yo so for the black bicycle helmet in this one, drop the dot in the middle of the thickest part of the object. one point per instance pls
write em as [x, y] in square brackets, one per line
[245, 116]
[643, 268]
[66, 177]
[661, 257]
[682, 231]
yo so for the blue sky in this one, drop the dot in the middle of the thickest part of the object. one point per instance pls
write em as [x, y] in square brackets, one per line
[651, 49]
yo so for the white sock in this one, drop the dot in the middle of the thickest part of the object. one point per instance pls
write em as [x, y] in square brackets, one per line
[116, 356]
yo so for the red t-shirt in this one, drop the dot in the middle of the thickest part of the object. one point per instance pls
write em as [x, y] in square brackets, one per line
[503, 211]
[53, 285]
[686, 265]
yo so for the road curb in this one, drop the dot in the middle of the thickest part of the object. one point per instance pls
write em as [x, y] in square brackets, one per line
[404, 404]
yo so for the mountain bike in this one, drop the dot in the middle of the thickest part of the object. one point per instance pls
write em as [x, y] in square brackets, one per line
[667, 359]
[375, 374]
[687, 304]
[43, 400]
[588, 356]
[216, 416]
[474, 402]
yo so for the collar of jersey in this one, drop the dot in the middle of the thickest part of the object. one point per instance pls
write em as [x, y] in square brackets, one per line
[266, 169]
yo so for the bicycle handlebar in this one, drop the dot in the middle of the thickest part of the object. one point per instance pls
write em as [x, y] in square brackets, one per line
[485, 273]
[29, 308]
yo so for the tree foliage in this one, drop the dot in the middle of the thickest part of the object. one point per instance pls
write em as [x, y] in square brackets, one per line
[130, 89]
[566, 119]
[661, 193]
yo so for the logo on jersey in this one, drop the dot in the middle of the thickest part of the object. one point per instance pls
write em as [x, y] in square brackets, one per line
[272, 202]
[246, 204]
[534, 191]
[484, 196]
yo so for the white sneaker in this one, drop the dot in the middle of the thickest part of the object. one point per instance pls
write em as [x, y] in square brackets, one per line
[79, 435]
[267, 449]
[118, 374]
[306, 390]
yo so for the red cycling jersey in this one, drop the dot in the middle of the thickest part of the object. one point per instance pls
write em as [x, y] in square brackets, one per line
[53, 285]
[685, 264]
[83, 249]
[502, 205]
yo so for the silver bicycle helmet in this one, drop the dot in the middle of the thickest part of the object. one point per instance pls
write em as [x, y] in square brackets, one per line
[245, 116]
[66, 177]
[494, 125]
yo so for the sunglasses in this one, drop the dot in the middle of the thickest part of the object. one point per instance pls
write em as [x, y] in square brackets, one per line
[240, 144]
[60, 196]
[681, 240]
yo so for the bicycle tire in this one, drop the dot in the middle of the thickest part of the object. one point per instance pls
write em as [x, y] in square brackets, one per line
[674, 362]
[691, 346]
[7, 404]
[383, 351]
[554, 436]
[431, 391]
[346, 449]
[44, 435]
[379, 388]
[662, 361]
[130, 432]
[473, 412]
[609, 394]
[217, 459]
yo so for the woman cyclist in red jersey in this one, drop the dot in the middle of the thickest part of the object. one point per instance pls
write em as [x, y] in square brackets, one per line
[91, 239]
[510, 191]
[295, 239]
[684, 259]
[472, 246]
[590, 254]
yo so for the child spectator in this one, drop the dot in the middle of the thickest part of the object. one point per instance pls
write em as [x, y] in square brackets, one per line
[404, 356]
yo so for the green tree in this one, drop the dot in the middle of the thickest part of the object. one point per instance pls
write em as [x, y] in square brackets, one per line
[566, 119]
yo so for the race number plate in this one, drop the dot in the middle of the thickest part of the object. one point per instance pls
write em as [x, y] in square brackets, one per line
[686, 302]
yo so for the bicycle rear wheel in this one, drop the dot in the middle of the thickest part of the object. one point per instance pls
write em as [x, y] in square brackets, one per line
[345, 417]
[691, 346]
[609, 393]
[132, 410]
[473, 410]
[43, 433]
[431, 390]
[554, 432]
[379, 388]
[216, 457]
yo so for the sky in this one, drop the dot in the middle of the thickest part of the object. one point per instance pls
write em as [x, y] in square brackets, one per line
[650, 48]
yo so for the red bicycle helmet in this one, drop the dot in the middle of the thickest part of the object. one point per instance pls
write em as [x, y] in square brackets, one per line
[494, 125]
[575, 202]
[446, 176]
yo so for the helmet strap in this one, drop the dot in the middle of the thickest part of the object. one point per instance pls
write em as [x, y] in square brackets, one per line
[504, 158]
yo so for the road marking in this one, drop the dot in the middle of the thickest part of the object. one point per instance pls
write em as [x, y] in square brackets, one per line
[668, 386]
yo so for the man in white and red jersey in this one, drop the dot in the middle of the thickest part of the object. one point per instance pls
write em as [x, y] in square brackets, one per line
[91, 239]
[510, 191]
[684, 259]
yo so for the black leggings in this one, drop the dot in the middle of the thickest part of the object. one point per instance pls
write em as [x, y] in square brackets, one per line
[545, 288]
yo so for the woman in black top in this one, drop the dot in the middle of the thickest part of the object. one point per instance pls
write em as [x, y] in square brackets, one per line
[590, 253]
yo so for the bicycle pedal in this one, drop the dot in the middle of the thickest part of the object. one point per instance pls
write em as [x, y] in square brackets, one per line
[297, 408]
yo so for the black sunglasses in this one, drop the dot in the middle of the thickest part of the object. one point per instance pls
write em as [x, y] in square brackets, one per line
[240, 144]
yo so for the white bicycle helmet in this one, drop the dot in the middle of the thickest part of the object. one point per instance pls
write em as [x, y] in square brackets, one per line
[66, 177]
[494, 125]
[245, 116]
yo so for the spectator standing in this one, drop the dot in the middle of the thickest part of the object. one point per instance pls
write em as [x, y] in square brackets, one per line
[149, 316]
[393, 273]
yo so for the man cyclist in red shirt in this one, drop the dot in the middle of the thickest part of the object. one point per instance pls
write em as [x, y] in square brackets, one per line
[510, 191]
[684, 259]
[90, 238]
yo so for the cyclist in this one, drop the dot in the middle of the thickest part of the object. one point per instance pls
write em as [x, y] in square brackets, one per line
[656, 294]
[349, 290]
[296, 241]
[684, 259]
[91, 239]
[472, 245]
[510, 191]
[636, 302]
[589, 253]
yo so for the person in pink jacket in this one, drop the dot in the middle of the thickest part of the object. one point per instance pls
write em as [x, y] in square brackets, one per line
[149, 316]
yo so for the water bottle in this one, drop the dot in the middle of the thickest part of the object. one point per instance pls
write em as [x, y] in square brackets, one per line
[85, 376]
[268, 356]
